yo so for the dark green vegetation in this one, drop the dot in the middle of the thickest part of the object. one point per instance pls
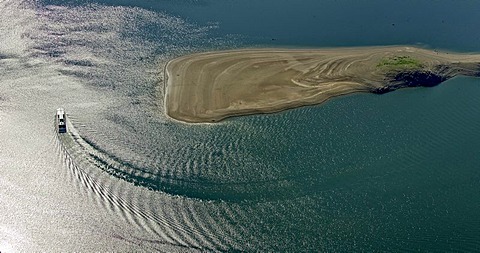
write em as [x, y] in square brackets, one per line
[400, 62]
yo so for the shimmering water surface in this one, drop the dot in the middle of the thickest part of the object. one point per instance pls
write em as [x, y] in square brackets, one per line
[393, 172]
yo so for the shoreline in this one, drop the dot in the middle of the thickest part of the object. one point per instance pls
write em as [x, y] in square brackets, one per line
[208, 87]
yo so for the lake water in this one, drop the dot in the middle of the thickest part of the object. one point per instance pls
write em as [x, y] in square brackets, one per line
[364, 172]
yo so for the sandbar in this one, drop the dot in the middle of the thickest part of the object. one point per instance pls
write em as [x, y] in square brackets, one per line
[211, 86]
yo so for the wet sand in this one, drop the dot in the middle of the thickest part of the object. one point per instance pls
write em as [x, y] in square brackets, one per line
[209, 87]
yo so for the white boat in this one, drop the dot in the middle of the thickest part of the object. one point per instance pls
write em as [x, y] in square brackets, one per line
[60, 121]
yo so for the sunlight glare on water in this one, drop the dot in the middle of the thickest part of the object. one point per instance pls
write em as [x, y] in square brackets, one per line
[360, 173]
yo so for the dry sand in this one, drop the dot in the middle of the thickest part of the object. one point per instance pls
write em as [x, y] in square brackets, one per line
[208, 87]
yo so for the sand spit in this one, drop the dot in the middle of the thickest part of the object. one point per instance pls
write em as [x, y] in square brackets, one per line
[208, 87]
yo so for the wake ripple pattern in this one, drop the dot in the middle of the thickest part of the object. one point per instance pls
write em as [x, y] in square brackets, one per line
[172, 228]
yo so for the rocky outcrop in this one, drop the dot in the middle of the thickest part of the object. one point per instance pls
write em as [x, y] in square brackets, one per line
[411, 79]
[426, 78]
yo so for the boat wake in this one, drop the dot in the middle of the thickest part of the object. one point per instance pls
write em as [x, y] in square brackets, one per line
[84, 160]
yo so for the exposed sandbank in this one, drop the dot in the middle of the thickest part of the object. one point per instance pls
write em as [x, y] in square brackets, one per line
[208, 87]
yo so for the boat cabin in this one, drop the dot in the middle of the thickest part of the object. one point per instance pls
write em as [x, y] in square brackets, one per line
[60, 121]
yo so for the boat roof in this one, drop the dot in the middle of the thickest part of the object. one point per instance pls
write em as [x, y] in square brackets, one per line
[60, 113]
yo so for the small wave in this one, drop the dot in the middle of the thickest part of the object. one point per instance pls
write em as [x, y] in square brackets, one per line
[82, 173]
[173, 183]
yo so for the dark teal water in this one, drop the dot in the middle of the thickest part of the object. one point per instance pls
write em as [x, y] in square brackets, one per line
[393, 172]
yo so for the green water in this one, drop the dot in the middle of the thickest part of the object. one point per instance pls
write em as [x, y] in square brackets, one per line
[392, 172]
